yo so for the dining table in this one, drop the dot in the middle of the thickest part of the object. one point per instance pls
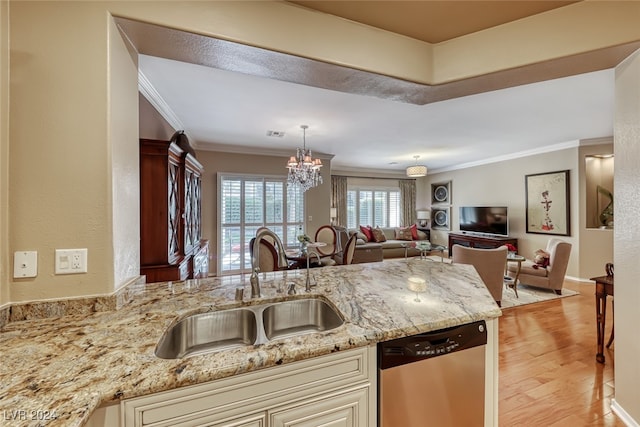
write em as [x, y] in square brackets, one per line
[299, 258]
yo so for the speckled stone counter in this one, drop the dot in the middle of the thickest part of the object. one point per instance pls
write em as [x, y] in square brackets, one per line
[66, 367]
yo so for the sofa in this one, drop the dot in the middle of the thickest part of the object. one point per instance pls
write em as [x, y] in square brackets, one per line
[373, 251]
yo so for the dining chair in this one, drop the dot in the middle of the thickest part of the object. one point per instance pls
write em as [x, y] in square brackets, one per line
[489, 264]
[348, 251]
[327, 235]
[267, 238]
[268, 255]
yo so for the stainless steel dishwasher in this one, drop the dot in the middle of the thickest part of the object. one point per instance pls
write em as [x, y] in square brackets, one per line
[433, 379]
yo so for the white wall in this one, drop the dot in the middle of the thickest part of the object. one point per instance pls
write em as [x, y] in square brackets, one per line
[125, 176]
[627, 237]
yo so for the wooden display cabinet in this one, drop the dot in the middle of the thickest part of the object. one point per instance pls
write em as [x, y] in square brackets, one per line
[170, 212]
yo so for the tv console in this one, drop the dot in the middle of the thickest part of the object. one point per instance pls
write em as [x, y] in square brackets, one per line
[481, 241]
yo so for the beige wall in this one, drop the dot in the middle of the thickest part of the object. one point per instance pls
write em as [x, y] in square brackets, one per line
[4, 153]
[627, 237]
[502, 184]
[60, 105]
[579, 27]
[152, 124]
[591, 249]
[318, 199]
[60, 181]
[60, 149]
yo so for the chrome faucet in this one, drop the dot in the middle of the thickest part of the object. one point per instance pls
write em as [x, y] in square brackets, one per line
[255, 259]
[307, 286]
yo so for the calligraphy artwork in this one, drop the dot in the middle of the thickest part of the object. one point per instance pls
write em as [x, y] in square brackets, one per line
[547, 197]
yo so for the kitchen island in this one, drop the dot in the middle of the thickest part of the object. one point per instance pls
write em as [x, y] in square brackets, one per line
[59, 371]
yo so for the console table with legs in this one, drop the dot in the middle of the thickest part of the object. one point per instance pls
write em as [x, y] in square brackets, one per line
[604, 288]
[479, 241]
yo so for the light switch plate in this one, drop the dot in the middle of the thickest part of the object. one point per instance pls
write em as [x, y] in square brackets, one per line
[71, 261]
[25, 264]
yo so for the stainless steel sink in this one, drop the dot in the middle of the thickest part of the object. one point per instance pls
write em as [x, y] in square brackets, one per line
[206, 332]
[291, 318]
[240, 327]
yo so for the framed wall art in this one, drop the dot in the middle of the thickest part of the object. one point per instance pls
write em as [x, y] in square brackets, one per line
[547, 198]
[440, 219]
[441, 193]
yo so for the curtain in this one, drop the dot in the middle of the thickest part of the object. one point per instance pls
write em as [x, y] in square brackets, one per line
[339, 198]
[407, 201]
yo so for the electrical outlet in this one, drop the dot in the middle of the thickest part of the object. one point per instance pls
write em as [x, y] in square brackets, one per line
[71, 261]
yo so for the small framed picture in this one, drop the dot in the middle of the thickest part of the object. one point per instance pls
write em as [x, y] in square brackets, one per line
[547, 203]
[440, 219]
[441, 193]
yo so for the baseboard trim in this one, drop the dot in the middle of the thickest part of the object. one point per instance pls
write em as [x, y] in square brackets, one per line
[579, 280]
[623, 415]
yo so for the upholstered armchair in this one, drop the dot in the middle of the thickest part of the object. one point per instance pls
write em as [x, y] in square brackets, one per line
[489, 264]
[551, 277]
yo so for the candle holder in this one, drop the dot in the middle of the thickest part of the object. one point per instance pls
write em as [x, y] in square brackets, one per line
[417, 285]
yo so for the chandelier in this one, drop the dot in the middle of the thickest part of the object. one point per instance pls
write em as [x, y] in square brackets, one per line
[416, 170]
[304, 171]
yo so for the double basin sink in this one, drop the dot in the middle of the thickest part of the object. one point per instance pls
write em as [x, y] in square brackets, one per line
[246, 326]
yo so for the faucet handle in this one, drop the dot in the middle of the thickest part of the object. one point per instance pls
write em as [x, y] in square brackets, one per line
[239, 294]
[291, 289]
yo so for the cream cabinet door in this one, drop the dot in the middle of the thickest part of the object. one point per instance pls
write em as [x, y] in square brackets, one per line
[343, 409]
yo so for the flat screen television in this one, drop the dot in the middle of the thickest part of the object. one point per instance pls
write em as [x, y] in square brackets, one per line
[484, 220]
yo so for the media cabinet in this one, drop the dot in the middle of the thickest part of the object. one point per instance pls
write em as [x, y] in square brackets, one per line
[479, 241]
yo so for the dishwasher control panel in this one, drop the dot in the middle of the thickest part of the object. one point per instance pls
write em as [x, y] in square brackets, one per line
[426, 348]
[431, 344]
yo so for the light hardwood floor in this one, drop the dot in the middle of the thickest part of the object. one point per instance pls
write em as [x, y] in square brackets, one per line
[547, 365]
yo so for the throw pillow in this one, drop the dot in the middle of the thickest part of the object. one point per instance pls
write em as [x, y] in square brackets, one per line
[414, 232]
[403, 233]
[541, 259]
[366, 230]
[378, 235]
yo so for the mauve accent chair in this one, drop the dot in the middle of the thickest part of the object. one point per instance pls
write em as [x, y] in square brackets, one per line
[489, 264]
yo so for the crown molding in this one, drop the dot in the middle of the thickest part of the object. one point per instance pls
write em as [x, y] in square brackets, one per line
[151, 94]
[258, 151]
[368, 173]
[512, 156]
[596, 141]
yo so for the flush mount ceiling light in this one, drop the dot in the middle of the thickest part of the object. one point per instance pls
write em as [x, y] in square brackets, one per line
[304, 171]
[416, 170]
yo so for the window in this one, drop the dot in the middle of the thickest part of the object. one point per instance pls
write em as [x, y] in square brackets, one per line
[375, 207]
[248, 203]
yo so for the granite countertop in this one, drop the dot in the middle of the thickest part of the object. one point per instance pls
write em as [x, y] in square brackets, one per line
[66, 367]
